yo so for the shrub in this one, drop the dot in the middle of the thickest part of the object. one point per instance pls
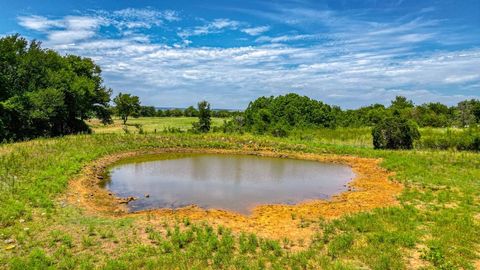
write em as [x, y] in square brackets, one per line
[279, 130]
[395, 133]
[235, 125]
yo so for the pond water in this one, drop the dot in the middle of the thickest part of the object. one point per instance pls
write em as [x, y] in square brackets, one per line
[231, 182]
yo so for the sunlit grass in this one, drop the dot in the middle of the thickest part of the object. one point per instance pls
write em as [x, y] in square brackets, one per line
[435, 225]
[149, 124]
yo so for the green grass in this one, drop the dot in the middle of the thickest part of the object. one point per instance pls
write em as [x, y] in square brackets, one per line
[149, 124]
[436, 225]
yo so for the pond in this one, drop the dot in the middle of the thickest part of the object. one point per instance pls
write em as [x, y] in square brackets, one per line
[218, 181]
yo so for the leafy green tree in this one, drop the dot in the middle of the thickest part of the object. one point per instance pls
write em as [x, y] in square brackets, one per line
[476, 111]
[126, 106]
[395, 133]
[289, 111]
[204, 117]
[468, 112]
[401, 102]
[45, 94]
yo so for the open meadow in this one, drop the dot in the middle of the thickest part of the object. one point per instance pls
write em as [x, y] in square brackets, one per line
[148, 124]
[433, 225]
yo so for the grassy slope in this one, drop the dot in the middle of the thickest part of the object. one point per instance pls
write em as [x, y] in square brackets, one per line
[436, 225]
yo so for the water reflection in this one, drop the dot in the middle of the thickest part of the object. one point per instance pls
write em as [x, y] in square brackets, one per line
[232, 182]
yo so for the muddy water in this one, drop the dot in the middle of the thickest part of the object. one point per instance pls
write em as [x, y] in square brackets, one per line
[231, 182]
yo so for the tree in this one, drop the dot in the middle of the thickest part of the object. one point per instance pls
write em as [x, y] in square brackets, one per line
[395, 133]
[204, 115]
[126, 105]
[476, 111]
[267, 114]
[401, 102]
[468, 112]
[45, 94]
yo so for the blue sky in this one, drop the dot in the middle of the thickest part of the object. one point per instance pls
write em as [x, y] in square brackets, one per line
[347, 53]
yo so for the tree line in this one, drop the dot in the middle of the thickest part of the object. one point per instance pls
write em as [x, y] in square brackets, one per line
[294, 111]
[393, 127]
[191, 111]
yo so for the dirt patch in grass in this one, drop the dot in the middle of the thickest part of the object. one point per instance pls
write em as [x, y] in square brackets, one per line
[370, 189]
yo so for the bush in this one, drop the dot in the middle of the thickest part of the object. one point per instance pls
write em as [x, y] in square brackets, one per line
[279, 130]
[395, 133]
[235, 125]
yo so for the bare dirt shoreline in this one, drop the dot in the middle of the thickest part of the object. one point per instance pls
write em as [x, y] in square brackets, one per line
[371, 188]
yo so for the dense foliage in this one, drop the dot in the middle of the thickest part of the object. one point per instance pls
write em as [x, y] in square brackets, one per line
[276, 114]
[395, 133]
[204, 117]
[434, 114]
[45, 94]
[126, 105]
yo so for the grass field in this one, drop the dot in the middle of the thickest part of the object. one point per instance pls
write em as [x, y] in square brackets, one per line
[435, 226]
[361, 137]
[149, 124]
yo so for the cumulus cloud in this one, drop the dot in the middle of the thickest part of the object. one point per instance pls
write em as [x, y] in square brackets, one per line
[70, 29]
[38, 23]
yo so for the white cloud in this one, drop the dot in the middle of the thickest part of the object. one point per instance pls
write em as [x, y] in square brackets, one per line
[38, 23]
[71, 29]
[285, 38]
[215, 26]
[66, 30]
[462, 78]
[255, 31]
[140, 18]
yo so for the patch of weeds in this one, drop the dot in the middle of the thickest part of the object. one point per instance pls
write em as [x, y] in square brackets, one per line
[340, 244]
[247, 243]
[60, 237]
[91, 230]
[106, 234]
[88, 241]
[436, 256]
[37, 259]
[267, 245]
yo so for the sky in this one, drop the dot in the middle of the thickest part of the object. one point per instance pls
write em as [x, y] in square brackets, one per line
[349, 53]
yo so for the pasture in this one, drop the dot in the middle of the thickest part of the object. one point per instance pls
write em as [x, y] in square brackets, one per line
[434, 223]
